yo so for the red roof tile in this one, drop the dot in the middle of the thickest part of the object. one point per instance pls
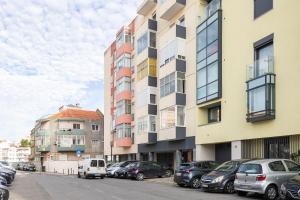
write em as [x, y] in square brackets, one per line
[78, 114]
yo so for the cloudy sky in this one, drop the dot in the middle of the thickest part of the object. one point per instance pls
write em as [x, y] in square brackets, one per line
[51, 53]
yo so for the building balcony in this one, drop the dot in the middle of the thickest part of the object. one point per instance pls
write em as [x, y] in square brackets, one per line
[70, 132]
[124, 142]
[261, 91]
[71, 148]
[170, 8]
[124, 48]
[124, 119]
[123, 72]
[212, 7]
[42, 132]
[173, 133]
[43, 148]
[146, 7]
[125, 95]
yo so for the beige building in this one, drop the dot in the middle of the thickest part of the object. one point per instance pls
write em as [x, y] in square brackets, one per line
[60, 137]
[209, 80]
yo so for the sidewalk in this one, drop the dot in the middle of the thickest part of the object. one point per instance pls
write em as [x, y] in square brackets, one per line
[167, 181]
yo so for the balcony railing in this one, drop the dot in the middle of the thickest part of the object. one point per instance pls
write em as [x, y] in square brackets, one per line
[71, 148]
[260, 67]
[70, 132]
[43, 148]
[170, 8]
[211, 9]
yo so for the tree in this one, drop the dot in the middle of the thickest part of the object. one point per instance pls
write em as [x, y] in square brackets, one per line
[25, 143]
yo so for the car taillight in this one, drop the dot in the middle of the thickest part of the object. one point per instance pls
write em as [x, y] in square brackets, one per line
[261, 177]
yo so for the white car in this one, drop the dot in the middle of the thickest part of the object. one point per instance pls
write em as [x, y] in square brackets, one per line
[92, 168]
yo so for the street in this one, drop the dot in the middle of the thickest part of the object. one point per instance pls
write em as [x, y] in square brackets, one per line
[36, 186]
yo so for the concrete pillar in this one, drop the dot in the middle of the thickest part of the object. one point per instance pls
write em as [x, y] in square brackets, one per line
[150, 156]
[194, 154]
[138, 156]
[114, 158]
[129, 157]
[178, 156]
[154, 156]
[205, 152]
[236, 150]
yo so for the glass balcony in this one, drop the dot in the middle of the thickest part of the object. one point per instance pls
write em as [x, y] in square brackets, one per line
[43, 148]
[260, 67]
[211, 8]
[71, 148]
[146, 7]
[70, 132]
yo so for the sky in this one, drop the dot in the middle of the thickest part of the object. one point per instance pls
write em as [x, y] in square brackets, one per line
[51, 54]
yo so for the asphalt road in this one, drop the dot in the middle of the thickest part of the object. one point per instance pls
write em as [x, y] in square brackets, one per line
[35, 186]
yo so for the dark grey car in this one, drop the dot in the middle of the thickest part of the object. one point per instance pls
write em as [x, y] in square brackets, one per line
[189, 174]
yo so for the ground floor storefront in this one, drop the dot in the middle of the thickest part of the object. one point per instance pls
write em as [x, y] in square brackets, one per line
[274, 147]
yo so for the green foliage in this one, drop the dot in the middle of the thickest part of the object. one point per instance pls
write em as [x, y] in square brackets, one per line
[25, 143]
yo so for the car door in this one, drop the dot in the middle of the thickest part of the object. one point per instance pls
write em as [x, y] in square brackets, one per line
[293, 168]
[93, 166]
[157, 170]
[279, 172]
[145, 168]
[101, 167]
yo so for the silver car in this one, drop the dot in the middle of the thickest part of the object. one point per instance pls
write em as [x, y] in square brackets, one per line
[264, 176]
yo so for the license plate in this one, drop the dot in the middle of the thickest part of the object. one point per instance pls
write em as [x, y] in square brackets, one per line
[204, 185]
[97, 174]
[178, 174]
[245, 186]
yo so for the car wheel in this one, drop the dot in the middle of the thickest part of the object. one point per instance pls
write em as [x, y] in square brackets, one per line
[78, 175]
[140, 176]
[241, 193]
[229, 187]
[102, 177]
[271, 192]
[168, 173]
[196, 183]
[85, 176]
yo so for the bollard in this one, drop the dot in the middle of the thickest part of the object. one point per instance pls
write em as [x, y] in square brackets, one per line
[68, 171]
[63, 171]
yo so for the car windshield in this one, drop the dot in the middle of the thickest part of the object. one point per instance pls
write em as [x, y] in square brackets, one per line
[132, 165]
[115, 165]
[124, 164]
[228, 166]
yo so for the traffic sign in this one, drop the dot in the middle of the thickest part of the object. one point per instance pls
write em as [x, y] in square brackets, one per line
[78, 153]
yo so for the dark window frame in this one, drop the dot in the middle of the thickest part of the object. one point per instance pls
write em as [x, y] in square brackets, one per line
[209, 110]
[261, 7]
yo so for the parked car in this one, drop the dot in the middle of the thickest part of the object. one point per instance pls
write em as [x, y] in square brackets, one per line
[123, 172]
[264, 176]
[113, 170]
[3, 181]
[5, 165]
[189, 174]
[92, 168]
[7, 175]
[222, 178]
[146, 169]
[29, 167]
[4, 193]
[290, 189]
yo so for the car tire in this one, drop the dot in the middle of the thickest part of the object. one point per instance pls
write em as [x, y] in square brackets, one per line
[271, 193]
[102, 177]
[85, 176]
[78, 175]
[196, 183]
[241, 193]
[140, 177]
[229, 187]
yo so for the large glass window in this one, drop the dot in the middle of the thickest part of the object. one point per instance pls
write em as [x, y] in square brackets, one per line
[208, 65]
[124, 61]
[123, 84]
[172, 116]
[152, 123]
[123, 107]
[147, 67]
[69, 140]
[123, 131]
[142, 42]
[168, 86]
[214, 114]
[152, 40]
[143, 124]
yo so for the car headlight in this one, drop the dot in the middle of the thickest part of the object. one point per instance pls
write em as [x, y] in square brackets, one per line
[2, 173]
[283, 190]
[218, 180]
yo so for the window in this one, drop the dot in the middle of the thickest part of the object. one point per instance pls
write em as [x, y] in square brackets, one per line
[69, 140]
[142, 43]
[167, 117]
[95, 127]
[181, 21]
[167, 85]
[152, 99]
[277, 166]
[262, 6]
[95, 142]
[250, 169]
[101, 163]
[123, 84]
[80, 140]
[214, 114]
[180, 115]
[208, 56]
[76, 126]
[292, 167]
[278, 147]
[123, 61]
[142, 70]
[180, 82]
[123, 107]
[174, 49]
[143, 124]
[94, 163]
[120, 39]
[152, 41]
[123, 131]
[152, 123]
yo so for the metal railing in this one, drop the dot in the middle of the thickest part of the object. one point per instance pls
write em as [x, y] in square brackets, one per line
[260, 67]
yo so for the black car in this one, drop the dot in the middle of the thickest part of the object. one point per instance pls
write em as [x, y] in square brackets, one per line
[116, 170]
[8, 176]
[123, 172]
[291, 189]
[189, 174]
[4, 193]
[146, 169]
[222, 178]
[3, 181]
[29, 167]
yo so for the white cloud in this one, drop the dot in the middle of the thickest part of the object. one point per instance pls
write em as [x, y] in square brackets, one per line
[51, 52]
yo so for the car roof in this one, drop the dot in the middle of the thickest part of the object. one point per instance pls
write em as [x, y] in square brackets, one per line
[263, 161]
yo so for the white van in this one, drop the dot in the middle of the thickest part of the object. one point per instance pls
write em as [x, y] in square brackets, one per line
[92, 168]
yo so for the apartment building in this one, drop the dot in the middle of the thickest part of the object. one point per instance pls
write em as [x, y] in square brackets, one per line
[12, 152]
[247, 68]
[210, 80]
[64, 138]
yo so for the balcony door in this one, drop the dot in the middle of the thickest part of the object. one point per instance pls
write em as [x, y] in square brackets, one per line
[264, 55]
